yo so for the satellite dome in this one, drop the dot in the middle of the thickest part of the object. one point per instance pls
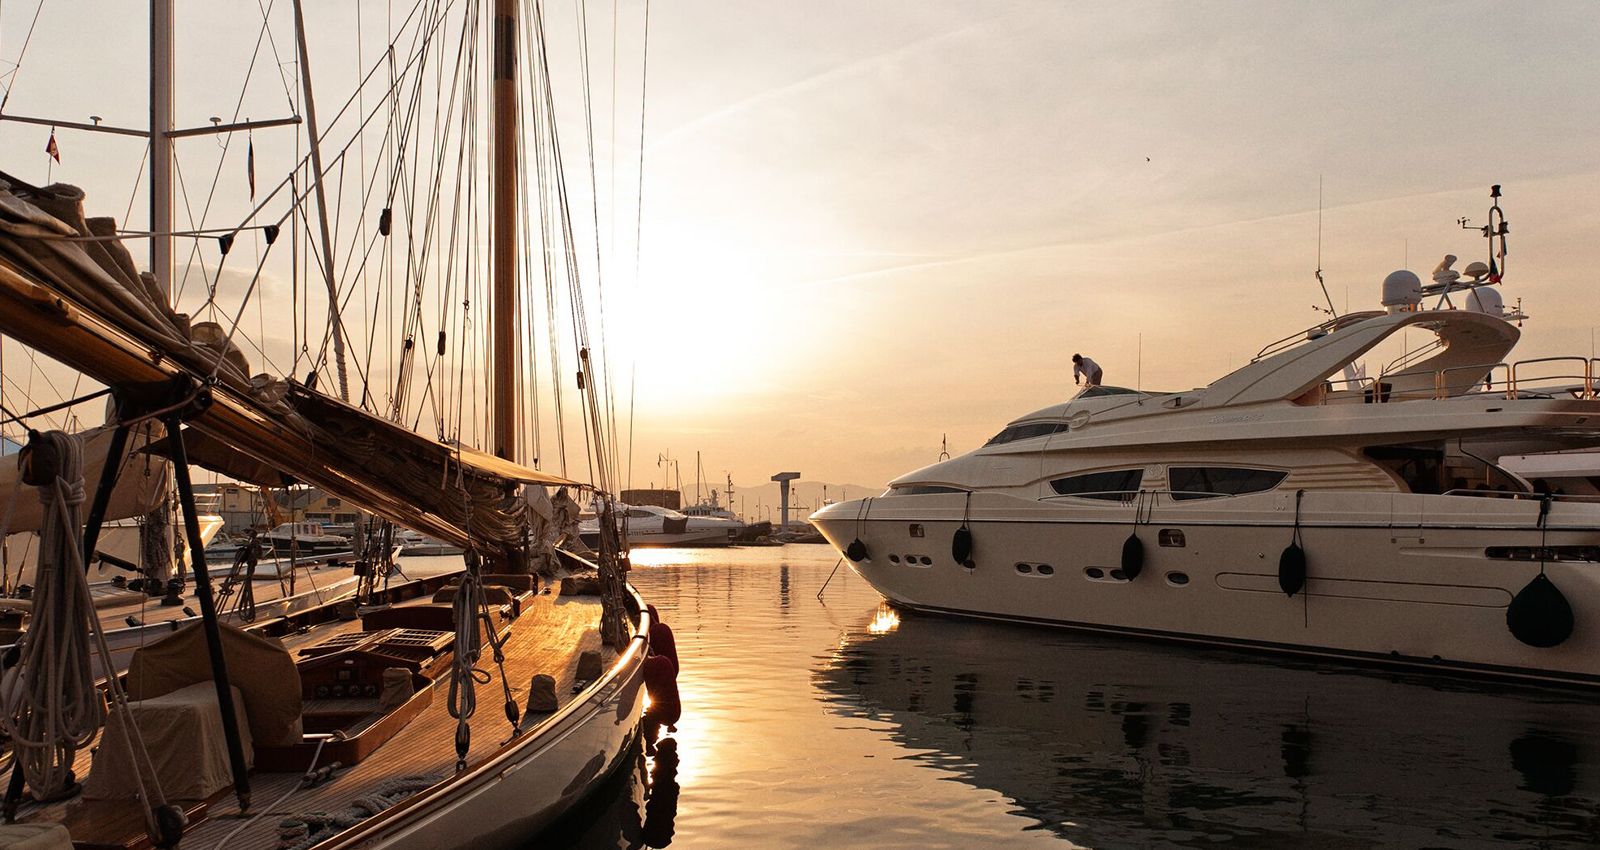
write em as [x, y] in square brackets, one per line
[1402, 290]
[1486, 300]
[1476, 271]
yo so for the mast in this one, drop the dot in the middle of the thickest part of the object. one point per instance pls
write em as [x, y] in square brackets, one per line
[503, 256]
[322, 204]
[161, 144]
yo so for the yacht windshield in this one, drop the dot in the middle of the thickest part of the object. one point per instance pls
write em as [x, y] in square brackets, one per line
[1028, 430]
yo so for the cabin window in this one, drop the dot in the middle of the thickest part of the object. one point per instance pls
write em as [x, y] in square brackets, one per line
[638, 514]
[922, 490]
[1543, 553]
[1118, 486]
[1013, 433]
[1207, 482]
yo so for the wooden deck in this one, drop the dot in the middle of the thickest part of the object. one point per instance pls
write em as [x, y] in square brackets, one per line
[547, 638]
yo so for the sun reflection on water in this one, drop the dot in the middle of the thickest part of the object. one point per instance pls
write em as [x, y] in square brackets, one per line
[885, 621]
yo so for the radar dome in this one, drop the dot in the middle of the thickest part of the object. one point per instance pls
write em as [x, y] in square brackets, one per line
[1486, 300]
[1402, 291]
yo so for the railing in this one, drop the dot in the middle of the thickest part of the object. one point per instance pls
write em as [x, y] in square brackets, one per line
[1541, 377]
[1586, 375]
[1522, 495]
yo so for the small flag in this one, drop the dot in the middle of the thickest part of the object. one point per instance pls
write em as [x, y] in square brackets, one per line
[50, 146]
[250, 167]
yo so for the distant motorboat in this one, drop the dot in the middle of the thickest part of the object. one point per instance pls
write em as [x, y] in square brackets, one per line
[304, 538]
[417, 543]
[649, 525]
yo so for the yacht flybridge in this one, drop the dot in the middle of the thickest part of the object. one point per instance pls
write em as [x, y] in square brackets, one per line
[1293, 505]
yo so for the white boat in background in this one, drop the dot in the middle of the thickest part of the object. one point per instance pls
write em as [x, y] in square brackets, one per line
[303, 538]
[652, 526]
[1285, 507]
[415, 543]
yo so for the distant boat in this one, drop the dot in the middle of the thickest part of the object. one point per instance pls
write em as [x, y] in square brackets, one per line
[652, 526]
[415, 543]
[304, 538]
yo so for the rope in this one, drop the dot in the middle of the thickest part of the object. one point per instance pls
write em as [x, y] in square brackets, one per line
[51, 707]
[464, 674]
[49, 704]
[306, 830]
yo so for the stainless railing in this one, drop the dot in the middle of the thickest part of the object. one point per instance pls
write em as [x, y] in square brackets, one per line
[1540, 377]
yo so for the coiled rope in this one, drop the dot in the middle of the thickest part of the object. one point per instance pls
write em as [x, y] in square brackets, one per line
[49, 705]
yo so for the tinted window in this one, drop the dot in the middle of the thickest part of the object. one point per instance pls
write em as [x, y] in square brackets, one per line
[1204, 482]
[921, 490]
[1013, 433]
[1120, 485]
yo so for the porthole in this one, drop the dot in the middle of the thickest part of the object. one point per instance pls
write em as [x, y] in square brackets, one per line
[1177, 579]
[911, 559]
[1094, 572]
[1046, 570]
[927, 561]
[1119, 575]
[894, 559]
[1024, 568]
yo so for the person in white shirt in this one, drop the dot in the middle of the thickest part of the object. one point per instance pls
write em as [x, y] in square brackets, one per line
[1087, 369]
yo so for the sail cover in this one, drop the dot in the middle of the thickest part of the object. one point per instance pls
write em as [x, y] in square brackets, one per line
[70, 289]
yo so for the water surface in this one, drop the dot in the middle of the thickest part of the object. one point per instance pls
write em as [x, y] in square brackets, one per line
[841, 723]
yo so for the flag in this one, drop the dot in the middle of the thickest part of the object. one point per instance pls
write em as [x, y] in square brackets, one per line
[50, 146]
[250, 167]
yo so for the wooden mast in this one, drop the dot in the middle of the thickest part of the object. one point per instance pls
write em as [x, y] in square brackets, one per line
[503, 257]
[161, 145]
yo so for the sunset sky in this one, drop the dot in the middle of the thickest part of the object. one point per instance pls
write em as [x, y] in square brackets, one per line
[869, 225]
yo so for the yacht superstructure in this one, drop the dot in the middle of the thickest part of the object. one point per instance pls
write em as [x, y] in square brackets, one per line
[1289, 506]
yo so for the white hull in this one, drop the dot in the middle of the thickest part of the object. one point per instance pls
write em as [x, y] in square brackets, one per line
[1409, 584]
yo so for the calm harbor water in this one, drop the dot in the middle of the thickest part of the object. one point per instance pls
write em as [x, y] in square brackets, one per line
[839, 723]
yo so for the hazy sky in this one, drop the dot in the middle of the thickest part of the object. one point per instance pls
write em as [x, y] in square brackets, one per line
[869, 224]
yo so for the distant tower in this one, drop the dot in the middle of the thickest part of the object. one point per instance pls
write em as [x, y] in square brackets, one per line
[783, 479]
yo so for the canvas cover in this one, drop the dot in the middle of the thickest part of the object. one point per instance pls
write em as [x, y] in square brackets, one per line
[139, 488]
[259, 667]
[34, 836]
[182, 732]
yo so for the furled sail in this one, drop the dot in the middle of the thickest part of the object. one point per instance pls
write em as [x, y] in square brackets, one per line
[70, 289]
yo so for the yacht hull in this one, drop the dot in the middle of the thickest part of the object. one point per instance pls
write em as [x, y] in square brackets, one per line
[1395, 591]
[532, 781]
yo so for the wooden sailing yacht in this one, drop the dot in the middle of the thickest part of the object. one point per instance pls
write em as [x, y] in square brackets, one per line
[341, 725]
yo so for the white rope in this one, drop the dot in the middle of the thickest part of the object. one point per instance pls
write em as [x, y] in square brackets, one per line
[49, 704]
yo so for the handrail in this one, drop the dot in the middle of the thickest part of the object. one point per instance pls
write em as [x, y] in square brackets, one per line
[1514, 377]
[1587, 376]
[1523, 495]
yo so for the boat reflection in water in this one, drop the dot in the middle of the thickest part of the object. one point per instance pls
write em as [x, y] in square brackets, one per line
[635, 809]
[1115, 743]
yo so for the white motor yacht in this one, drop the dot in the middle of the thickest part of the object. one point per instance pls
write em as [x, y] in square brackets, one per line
[1284, 507]
[306, 538]
[649, 525]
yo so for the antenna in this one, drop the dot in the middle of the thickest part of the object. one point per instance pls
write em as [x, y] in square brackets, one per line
[1332, 311]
